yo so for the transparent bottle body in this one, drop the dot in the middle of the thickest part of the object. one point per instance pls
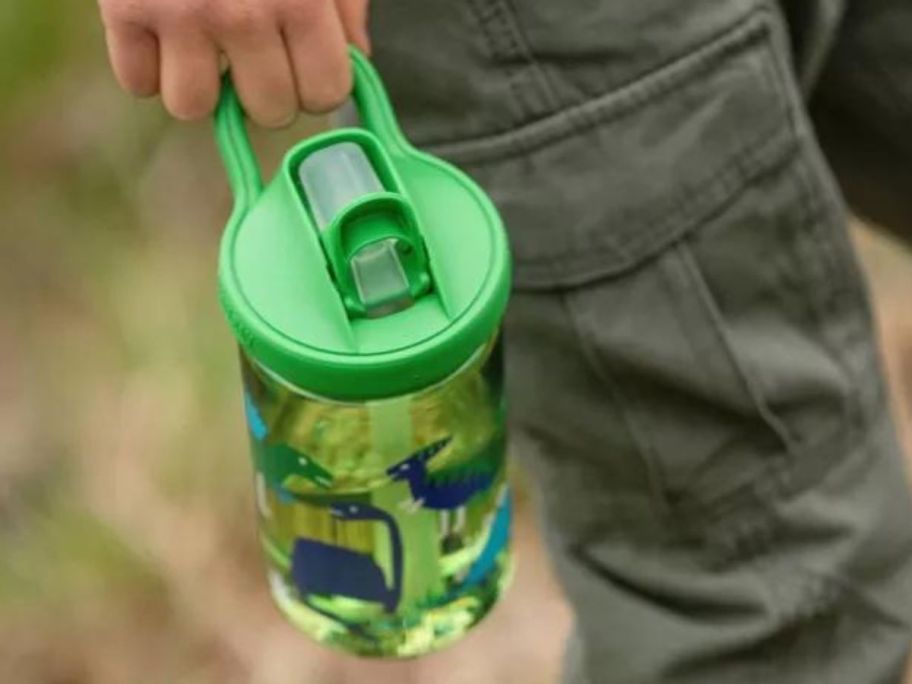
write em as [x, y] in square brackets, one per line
[385, 524]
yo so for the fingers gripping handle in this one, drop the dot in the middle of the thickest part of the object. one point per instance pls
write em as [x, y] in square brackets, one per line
[240, 162]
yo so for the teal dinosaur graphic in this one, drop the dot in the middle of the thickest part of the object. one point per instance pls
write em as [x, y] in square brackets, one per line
[282, 467]
[278, 465]
[497, 541]
[255, 420]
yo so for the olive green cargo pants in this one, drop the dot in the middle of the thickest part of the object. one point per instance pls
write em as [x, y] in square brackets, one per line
[691, 350]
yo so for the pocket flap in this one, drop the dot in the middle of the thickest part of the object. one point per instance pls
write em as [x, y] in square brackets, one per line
[597, 188]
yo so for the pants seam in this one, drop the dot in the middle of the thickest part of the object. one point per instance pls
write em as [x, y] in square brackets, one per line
[642, 446]
[509, 50]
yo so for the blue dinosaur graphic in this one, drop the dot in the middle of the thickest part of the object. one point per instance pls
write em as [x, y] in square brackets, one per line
[448, 491]
[284, 597]
[441, 495]
[321, 568]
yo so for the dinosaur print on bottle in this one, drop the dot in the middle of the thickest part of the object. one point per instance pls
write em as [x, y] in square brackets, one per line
[447, 491]
[498, 538]
[327, 569]
[278, 464]
[255, 421]
[439, 493]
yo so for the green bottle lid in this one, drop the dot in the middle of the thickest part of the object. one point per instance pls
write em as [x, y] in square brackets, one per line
[364, 269]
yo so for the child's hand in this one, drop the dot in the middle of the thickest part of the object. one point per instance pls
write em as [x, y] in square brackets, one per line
[285, 55]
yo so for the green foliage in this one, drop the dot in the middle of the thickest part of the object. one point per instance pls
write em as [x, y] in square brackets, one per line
[36, 37]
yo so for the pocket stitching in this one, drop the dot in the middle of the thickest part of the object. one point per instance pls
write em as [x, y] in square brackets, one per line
[833, 298]
[643, 447]
[674, 75]
[698, 283]
[799, 465]
[719, 191]
[505, 42]
[600, 254]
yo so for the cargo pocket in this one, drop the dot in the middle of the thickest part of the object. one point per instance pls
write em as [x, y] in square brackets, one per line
[740, 355]
[699, 246]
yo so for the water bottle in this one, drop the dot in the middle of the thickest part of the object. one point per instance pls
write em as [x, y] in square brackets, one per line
[365, 284]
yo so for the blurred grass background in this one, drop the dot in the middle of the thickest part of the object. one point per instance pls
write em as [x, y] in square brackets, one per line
[127, 548]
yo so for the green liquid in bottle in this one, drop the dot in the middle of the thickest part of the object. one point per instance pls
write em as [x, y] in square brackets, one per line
[385, 525]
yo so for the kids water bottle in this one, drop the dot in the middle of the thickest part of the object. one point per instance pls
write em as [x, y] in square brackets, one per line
[365, 284]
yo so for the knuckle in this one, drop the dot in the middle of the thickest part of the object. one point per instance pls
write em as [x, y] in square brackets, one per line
[302, 12]
[238, 17]
[180, 11]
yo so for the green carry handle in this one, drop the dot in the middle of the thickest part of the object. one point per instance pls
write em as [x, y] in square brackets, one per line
[234, 143]
[351, 240]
